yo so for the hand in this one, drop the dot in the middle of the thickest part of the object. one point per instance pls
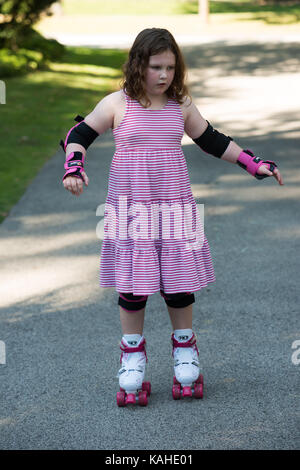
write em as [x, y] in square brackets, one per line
[75, 185]
[263, 170]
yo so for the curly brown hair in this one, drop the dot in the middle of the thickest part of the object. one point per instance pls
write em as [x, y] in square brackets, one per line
[152, 41]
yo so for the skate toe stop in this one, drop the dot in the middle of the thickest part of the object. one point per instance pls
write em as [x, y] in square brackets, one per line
[187, 391]
[130, 398]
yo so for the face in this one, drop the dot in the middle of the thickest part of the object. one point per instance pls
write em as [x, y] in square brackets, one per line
[160, 72]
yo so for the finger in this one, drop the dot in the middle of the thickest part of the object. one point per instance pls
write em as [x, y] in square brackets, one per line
[278, 176]
[266, 170]
[68, 183]
[74, 185]
[79, 182]
[280, 181]
[78, 186]
[85, 178]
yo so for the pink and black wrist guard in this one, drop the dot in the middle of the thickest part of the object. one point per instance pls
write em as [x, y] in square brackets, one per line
[249, 162]
[74, 165]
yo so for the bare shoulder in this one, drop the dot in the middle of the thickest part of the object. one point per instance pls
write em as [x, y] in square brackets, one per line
[115, 99]
[194, 122]
[117, 103]
[103, 115]
[111, 101]
[187, 106]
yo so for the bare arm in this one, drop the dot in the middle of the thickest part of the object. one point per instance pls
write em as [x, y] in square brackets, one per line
[195, 125]
[100, 119]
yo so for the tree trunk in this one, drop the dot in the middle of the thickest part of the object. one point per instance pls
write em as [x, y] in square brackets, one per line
[203, 11]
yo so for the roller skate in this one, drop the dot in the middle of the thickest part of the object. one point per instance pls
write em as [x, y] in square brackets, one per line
[187, 381]
[133, 389]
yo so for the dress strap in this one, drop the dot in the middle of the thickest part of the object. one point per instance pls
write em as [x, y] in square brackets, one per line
[127, 97]
[128, 100]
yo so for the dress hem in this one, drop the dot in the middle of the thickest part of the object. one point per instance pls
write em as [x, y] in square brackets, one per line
[151, 293]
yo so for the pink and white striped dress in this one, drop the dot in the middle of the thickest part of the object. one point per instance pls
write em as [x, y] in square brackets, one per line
[153, 237]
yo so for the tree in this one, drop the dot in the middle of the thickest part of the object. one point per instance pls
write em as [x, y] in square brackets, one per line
[203, 9]
[18, 16]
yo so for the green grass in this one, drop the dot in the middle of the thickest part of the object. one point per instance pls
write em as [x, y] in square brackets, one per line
[121, 7]
[268, 13]
[40, 108]
[271, 13]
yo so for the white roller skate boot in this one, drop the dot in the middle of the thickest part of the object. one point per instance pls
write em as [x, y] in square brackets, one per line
[187, 381]
[131, 374]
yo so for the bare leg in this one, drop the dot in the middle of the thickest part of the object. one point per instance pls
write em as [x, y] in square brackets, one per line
[132, 322]
[181, 318]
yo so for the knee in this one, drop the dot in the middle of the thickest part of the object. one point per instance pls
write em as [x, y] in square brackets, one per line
[132, 303]
[180, 300]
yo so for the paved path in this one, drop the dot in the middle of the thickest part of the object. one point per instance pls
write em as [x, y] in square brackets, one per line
[61, 331]
[121, 30]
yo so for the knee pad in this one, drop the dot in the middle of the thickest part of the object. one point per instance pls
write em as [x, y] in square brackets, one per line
[131, 302]
[180, 300]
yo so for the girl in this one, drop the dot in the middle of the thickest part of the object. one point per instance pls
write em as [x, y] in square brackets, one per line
[148, 176]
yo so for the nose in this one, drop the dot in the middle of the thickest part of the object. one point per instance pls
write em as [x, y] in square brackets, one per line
[163, 74]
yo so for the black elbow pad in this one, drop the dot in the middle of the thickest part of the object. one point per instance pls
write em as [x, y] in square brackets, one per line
[81, 134]
[213, 142]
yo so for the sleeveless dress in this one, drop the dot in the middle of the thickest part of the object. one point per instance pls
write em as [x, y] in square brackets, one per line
[153, 237]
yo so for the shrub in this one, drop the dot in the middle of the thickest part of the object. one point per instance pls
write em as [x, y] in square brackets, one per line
[50, 48]
[19, 62]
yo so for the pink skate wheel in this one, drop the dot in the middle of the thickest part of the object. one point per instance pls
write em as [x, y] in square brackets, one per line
[175, 381]
[146, 387]
[187, 392]
[130, 399]
[120, 398]
[143, 400]
[200, 379]
[176, 392]
[198, 390]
